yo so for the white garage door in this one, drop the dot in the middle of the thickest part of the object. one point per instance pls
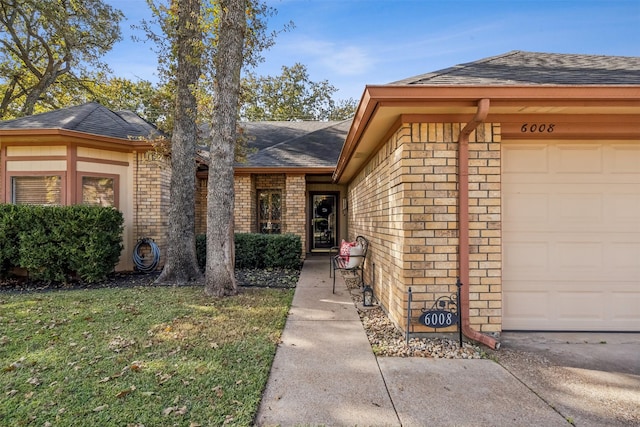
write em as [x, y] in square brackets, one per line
[571, 236]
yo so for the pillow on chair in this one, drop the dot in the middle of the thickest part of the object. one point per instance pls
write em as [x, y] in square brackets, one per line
[356, 256]
[345, 250]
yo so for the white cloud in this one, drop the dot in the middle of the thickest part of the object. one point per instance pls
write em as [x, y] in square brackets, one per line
[348, 60]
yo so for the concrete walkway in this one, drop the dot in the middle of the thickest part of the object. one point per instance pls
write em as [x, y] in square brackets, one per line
[325, 373]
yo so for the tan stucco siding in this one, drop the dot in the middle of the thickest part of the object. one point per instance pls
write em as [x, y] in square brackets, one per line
[36, 165]
[37, 151]
[405, 200]
[125, 200]
[95, 153]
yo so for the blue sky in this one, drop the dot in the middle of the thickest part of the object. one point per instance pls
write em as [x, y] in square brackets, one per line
[353, 43]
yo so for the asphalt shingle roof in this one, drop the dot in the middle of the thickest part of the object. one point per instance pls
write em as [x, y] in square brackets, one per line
[534, 68]
[91, 118]
[295, 144]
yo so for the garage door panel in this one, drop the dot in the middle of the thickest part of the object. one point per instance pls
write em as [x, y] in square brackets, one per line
[625, 307]
[525, 158]
[624, 257]
[624, 159]
[531, 207]
[571, 236]
[582, 306]
[623, 205]
[577, 254]
[522, 308]
[525, 259]
[577, 158]
[578, 208]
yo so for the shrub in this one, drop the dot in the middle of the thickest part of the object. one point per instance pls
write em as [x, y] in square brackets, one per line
[253, 250]
[52, 243]
[10, 228]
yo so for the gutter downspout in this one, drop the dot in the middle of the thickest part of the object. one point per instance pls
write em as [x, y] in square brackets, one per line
[463, 220]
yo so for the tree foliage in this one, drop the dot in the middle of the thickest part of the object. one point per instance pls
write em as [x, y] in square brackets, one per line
[292, 96]
[42, 41]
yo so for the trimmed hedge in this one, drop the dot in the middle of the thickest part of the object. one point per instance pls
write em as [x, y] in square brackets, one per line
[255, 250]
[54, 243]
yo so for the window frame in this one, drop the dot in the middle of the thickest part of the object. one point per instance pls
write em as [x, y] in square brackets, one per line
[116, 186]
[15, 174]
[269, 221]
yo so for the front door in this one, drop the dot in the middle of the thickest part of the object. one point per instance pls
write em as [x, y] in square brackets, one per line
[323, 222]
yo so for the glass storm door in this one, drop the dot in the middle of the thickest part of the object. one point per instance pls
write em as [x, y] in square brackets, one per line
[323, 223]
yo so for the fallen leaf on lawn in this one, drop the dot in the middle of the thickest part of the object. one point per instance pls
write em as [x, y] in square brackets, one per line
[11, 392]
[218, 391]
[238, 382]
[181, 411]
[104, 380]
[100, 408]
[192, 424]
[163, 378]
[123, 393]
[34, 381]
[28, 395]
[148, 393]
[167, 411]
[213, 345]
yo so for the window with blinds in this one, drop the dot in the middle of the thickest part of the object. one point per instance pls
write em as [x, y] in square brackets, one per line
[36, 190]
[98, 191]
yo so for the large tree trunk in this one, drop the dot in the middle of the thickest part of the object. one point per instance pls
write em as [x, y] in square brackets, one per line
[182, 265]
[220, 279]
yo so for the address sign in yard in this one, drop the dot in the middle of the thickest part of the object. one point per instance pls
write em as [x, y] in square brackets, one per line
[438, 319]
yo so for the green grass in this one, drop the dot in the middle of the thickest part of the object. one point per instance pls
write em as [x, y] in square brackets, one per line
[152, 356]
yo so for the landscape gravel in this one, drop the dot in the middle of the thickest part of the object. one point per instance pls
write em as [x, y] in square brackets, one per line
[387, 340]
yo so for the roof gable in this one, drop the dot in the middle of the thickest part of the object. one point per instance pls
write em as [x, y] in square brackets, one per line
[91, 118]
[534, 68]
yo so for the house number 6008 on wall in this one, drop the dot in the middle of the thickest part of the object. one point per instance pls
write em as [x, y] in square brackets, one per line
[535, 127]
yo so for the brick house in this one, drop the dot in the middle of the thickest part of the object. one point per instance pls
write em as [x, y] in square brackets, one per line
[284, 186]
[519, 174]
[87, 154]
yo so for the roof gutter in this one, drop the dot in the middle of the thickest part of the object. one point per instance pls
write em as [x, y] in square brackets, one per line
[463, 220]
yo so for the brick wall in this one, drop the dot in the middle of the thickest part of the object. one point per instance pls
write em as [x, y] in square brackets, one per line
[405, 201]
[293, 188]
[201, 206]
[245, 204]
[152, 177]
[294, 211]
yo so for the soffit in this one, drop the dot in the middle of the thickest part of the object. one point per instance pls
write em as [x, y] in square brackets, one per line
[383, 108]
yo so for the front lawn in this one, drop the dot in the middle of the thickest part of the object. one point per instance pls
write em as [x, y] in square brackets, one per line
[152, 356]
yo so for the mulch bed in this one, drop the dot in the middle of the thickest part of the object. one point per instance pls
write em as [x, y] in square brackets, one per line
[264, 278]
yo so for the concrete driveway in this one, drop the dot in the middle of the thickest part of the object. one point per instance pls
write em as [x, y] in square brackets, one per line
[591, 379]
